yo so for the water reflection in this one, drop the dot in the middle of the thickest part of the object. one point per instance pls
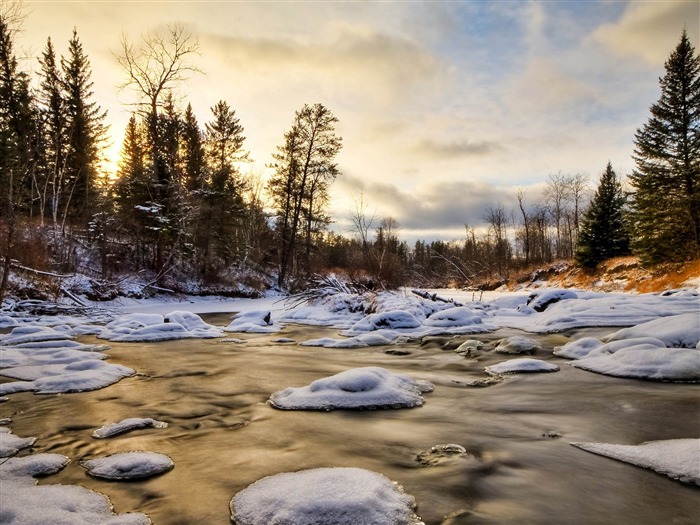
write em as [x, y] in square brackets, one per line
[519, 466]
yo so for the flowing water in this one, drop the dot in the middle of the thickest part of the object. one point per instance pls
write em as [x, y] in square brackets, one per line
[520, 468]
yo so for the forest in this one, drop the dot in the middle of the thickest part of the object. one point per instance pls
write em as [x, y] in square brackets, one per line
[184, 214]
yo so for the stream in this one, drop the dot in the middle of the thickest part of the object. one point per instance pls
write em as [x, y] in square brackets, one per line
[520, 467]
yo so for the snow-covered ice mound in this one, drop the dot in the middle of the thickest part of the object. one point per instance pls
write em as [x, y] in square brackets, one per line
[680, 331]
[128, 465]
[11, 444]
[647, 361]
[453, 317]
[521, 365]
[358, 388]
[156, 327]
[127, 425]
[676, 458]
[25, 503]
[79, 376]
[377, 338]
[324, 496]
[518, 344]
[253, 321]
[392, 320]
[539, 301]
[591, 347]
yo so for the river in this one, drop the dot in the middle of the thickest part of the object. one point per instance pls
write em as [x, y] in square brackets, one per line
[520, 467]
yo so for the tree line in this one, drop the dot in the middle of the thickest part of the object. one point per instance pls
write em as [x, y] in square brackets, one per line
[182, 205]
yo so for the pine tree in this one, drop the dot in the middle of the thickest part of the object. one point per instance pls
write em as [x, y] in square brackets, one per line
[223, 205]
[603, 230]
[304, 167]
[192, 155]
[86, 132]
[53, 113]
[666, 202]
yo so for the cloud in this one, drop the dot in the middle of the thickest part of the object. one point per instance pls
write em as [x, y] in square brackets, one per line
[650, 30]
[458, 148]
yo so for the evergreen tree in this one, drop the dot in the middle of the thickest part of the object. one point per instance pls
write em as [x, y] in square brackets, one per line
[86, 132]
[603, 230]
[223, 205]
[304, 167]
[53, 111]
[18, 145]
[666, 202]
[192, 155]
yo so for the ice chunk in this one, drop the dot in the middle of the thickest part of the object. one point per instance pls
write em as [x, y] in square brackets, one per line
[128, 465]
[11, 444]
[518, 344]
[127, 425]
[541, 300]
[31, 334]
[394, 320]
[358, 388]
[676, 458]
[324, 496]
[516, 366]
[647, 361]
[253, 321]
[24, 468]
[590, 347]
[458, 316]
[675, 331]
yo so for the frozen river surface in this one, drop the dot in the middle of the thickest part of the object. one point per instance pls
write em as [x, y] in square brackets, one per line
[519, 466]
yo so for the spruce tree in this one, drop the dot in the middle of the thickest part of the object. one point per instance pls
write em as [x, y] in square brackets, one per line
[603, 231]
[85, 131]
[192, 155]
[53, 111]
[666, 202]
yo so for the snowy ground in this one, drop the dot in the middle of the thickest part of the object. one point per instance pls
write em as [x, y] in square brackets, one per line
[652, 337]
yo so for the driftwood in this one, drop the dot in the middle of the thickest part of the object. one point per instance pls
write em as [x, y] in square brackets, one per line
[435, 297]
[18, 266]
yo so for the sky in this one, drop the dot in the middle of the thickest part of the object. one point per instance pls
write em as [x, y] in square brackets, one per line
[445, 108]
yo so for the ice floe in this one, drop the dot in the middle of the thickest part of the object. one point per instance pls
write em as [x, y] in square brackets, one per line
[646, 361]
[26, 503]
[128, 465]
[324, 496]
[521, 365]
[676, 458]
[156, 327]
[680, 331]
[518, 344]
[357, 388]
[127, 425]
[253, 321]
[11, 444]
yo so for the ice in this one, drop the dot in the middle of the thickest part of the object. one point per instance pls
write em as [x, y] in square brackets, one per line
[676, 458]
[127, 425]
[539, 301]
[518, 344]
[253, 321]
[458, 316]
[128, 465]
[6, 321]
[590, 347]
[25, 503]
[647, 361]
[324, 496]
[80, 376]
[11, 444]
[359, 341]
[32, 334]
[675, 331]
[155, 327]
[393, 319]
[516, 366]
[358, 388]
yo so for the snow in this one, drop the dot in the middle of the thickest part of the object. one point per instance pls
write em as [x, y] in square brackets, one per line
[157, 327]
[675, 331]
[11, 444]
[393, 320]
[253, 321]
[128, 465]
[127, 425]
[516, 366]
[25, 503]
[591, 347]
[518, 344]
[324, 496]
[676, 458]
[358, 388]
[541, 300]
[647, 361]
